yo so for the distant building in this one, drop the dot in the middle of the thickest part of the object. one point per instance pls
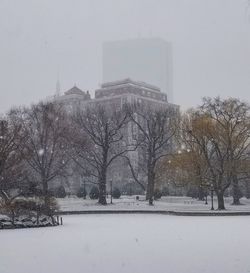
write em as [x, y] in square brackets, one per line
[73, 98]
[115, 95]
[75, 94]
[148, 60]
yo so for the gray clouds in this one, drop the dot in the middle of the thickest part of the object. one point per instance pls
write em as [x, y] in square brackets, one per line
[41, 38]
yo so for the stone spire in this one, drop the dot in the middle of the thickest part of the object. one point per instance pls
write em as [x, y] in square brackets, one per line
[58, 88]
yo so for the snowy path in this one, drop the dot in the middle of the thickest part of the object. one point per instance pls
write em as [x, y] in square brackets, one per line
[130, 243]
[173, 203]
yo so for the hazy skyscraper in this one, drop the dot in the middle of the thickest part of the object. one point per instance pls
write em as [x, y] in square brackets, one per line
[149, 60]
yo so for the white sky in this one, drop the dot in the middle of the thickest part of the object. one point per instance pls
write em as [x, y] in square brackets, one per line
[39, 38]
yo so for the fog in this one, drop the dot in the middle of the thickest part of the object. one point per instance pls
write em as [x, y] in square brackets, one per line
[43, 41]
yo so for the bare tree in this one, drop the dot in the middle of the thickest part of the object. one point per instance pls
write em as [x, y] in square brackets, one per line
[47, 143]
[155, 138]
[13, 180]
[103, 128]
[220, 128]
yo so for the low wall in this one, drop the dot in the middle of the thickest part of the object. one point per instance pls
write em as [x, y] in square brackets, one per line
[163, 212]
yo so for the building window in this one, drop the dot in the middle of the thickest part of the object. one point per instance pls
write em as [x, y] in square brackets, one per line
[124, 101]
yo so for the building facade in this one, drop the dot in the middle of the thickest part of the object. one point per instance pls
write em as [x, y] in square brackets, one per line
[115, 95]
[148, 60]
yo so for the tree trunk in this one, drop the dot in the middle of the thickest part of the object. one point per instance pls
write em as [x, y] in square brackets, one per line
[13, 216]
[150, 187]
[46, 196]
[147, 193]
[103, 177]
[102, 193]
[220, 197]
[236, 191]
[247, 189]
[150, 194]
[200, 194]
[102, 188]
[37, 217]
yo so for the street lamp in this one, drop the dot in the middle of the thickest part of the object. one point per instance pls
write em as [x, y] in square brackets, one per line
[204, 188]
[206, 198]
[84, 188]
[111, 192]
[212, 197]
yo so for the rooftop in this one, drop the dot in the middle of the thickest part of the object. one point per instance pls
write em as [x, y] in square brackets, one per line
[74, 91]
[128, 81]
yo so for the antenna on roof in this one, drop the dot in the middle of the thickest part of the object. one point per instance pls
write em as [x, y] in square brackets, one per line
[58, 86]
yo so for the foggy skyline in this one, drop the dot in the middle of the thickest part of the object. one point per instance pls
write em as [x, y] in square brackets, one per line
[42, 41]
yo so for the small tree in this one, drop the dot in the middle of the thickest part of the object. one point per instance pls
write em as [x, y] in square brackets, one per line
[94, 193]
[157, 194]
[192, 192]
[116, 193]
[81, 193]
[165, 191]
[60, 192]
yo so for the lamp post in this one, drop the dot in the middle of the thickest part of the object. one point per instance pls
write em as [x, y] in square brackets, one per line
[212, 197]
[206, 198]
[111, 192]
[84, 188]
[130, 188]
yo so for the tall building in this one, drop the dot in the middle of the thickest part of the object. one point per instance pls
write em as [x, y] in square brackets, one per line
[114, 95]
[149, 60]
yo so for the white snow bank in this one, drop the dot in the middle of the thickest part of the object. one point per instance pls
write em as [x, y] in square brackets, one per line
[131, 244]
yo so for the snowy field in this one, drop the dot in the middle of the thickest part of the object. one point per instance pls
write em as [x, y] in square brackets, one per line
[131, 244]
[173, 203]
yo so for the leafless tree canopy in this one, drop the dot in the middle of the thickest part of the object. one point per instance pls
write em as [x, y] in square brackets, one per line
[12, 173]
[101, 128]
[47, 143]
[156, 129]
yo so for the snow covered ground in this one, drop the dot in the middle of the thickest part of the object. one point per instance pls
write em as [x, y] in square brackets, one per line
[131, 244]
[166, 203]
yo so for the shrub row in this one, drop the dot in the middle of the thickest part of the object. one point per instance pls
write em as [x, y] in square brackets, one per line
[94, 193]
